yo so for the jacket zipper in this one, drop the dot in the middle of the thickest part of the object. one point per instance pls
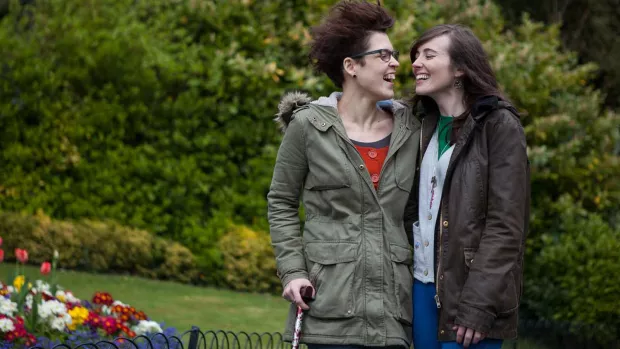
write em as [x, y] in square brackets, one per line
[448, 178]
[437, 301]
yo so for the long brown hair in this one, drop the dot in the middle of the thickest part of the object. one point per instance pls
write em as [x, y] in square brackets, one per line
[466, 53]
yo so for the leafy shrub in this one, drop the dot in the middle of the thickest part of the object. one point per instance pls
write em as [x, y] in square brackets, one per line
[575, 276]
[249, 263]
[97, 246]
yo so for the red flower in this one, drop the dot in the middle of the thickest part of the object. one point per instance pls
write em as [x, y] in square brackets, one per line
[46, 267]
[103, 298]
[21, 255]
[46, 296]
[93, 320]
[110, 325]
[30, 340]
[1, 252]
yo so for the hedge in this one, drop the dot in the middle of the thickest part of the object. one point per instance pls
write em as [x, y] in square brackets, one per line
[97, 246]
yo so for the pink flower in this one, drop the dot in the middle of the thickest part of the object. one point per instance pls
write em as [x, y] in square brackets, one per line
[21, 255]
[1, 255]
[46, 267]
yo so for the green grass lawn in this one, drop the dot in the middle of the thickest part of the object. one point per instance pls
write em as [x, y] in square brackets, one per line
[178, 305]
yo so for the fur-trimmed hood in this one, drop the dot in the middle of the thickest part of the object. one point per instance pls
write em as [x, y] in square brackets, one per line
[292, 101]
[288, 104]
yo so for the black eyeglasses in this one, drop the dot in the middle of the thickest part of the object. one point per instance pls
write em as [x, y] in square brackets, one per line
[384, 54]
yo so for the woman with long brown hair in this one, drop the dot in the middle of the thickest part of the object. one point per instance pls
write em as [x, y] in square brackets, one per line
[473, 197]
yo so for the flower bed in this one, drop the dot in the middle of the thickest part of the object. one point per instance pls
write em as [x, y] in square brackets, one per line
[44, 314]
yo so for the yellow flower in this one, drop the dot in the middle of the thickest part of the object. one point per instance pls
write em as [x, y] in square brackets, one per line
[19, 282]
[78, 315]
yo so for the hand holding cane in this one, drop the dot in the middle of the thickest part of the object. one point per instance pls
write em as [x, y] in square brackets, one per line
[306, 293]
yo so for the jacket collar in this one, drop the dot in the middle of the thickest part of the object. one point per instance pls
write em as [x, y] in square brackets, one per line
[481, 108]
[326, 115]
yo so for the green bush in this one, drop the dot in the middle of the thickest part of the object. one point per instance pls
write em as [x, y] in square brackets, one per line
[575, 277]
[139, 111]
[249, 263]
[97, 247]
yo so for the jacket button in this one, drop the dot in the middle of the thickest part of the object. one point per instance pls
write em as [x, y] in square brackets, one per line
[445, 223]
[441, 277]
[426, 273]
[426, 243]
[361, 167]
[442, 332]
[323, 124]
[349, 311]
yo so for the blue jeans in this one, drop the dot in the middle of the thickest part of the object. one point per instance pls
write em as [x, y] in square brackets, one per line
[343, 346]
[425, 320]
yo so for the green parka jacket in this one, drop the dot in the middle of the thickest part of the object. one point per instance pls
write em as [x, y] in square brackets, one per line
[354, 248]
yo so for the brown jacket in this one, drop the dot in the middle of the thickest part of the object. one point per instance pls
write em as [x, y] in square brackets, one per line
[480, 236]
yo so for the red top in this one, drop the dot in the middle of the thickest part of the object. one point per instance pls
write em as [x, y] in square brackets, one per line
[373, 158]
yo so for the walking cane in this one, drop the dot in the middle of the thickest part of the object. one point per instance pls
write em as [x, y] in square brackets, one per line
[306, 294]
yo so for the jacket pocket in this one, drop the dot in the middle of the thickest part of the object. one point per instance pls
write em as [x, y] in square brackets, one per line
[402, 259]
[332, 274]
[468, 254]
[405, 170]
[328, 171]
[510, 298]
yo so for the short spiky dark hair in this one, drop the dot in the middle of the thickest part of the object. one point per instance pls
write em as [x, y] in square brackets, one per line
[345, 32]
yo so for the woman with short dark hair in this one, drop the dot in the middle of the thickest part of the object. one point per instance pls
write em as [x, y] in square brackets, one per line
[473, 197]
[349, 161]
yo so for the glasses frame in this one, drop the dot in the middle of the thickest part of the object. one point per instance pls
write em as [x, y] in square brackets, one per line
[392, 53]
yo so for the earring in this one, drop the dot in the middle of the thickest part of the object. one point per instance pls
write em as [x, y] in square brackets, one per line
[458, 84]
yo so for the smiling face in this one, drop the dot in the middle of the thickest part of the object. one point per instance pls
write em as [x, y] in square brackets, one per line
[372, 74]
[433, 68]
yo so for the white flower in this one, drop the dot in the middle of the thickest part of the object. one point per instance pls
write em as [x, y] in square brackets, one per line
[11, 289]
[105, 310]
[71, 298]
[118, 303]
[29, 301]
[7, 307]
[66, 297]
[6, 325]
[42, 286]
[52, 309]
[67, 319]
[146, 327]
[55, 314]
[58, 324]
